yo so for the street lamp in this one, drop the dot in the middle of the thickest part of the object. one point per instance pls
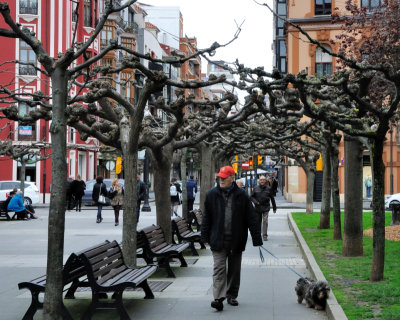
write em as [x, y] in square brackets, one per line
[391, 157]
[146, 207]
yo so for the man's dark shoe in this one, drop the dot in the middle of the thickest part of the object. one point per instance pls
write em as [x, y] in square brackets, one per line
[233, 302]
[217, 304]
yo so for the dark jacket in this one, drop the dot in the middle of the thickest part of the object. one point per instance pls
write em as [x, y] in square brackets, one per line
[243, 218]
[141, 190]
[274, 186]
[191, 189]
[97, 191]
[261, 197]
[78, 188]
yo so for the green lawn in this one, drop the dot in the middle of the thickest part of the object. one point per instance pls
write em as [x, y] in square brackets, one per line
[348, 277]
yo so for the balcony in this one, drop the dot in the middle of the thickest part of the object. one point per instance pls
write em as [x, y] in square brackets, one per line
[24, 8]
[27, 70]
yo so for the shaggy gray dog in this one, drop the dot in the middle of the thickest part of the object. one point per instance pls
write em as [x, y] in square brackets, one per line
[314, 292]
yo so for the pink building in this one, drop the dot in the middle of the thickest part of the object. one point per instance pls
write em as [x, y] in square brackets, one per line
[54, 23]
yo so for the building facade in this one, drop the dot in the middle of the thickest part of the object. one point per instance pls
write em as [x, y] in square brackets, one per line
[293, 53]
[53, 23]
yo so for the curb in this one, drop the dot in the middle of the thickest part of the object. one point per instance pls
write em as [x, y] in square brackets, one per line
[333, 309]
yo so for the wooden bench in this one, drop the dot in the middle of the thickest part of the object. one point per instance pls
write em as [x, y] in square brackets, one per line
[74, 273]
[4, 212]
[107, 272]
[185, 233]
[154, 245]
[195, 216]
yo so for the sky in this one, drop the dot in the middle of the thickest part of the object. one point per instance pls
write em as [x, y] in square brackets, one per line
[216, 20]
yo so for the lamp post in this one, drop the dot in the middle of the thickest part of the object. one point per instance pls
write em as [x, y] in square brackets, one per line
[146, 207]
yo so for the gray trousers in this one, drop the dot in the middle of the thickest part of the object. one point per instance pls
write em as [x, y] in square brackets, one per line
[226, 276]
[263, 222]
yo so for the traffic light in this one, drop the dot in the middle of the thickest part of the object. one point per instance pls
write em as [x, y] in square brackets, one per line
[251, 162]
[235, 167]
[260, 159]
[118, 165]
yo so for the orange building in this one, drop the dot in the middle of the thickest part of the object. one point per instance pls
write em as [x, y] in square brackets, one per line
[190, 70]
[293, 53]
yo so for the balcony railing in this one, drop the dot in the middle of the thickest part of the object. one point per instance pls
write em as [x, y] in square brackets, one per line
[27, 70]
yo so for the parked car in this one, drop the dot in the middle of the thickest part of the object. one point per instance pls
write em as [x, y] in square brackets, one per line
[392, 199]
[87, 198]
[31, 192]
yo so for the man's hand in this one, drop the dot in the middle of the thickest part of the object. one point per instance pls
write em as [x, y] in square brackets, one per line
[274, 211]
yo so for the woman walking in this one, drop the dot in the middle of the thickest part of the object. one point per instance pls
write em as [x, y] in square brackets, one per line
[116, 196]
[99, 193]
[78, 188]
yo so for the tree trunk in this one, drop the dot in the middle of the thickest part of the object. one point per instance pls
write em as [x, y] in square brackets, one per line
[324, 219]
[161, 161]
[353, 231]
[129, 152]
[184, 178]
[53, 297]
[309, 169]
[207, 172]
[337, 226]
[378, 207]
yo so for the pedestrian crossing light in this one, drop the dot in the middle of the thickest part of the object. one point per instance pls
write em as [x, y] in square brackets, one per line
[118, 165]
[260, 159]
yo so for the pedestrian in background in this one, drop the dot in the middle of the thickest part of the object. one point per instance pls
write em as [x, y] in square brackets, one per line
[174, 190]
[240, 184]
[99, 189]
[191, 190]
[228, 215]
[261, 197]
[273, 184]
[16, 204]
[141, 193]
[116, 195]
[78, 187]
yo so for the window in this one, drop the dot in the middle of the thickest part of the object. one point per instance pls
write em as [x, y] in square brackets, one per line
[282, 8]
[281, 57]
[28, 7]
[74, 12]
[323, 62]
[26, 131]
[323, 7]
[127, 43]
[26, 55]
[88, 13]
[106, 35]
[371, 4]
[131, 16]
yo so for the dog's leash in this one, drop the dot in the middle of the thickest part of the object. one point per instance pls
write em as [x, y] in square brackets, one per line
[289, 267]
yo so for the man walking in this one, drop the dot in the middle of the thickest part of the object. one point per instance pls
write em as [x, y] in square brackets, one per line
[191, 190]
[261, 197]
[228, 215]
[141, 193]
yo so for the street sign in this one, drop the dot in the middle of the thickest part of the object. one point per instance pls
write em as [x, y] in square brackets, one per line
[245, 166]
[110, 165]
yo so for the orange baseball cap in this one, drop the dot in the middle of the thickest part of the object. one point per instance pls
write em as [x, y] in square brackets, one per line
[225, 172]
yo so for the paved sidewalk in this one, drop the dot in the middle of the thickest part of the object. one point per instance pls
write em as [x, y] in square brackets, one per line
[267, 289]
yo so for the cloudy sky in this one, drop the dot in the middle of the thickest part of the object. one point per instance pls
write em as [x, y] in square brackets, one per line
[216, 20]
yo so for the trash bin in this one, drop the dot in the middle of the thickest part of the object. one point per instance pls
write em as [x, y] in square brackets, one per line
[395, 207]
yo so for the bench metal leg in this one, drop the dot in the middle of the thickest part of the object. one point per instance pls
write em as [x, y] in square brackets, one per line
[145, 286]
[164, 263]
[202, 246]
[194, 251]
[182, 260]
[35, 305]
[123, 315]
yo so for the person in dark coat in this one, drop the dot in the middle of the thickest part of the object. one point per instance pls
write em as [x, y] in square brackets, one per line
[141, 193]
[273, 185]
[262, 196]
[99, 188]
[191, 190]
[78, 187]
[227, 217]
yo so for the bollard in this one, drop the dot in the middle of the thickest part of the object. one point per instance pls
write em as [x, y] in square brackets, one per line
[395, 206]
